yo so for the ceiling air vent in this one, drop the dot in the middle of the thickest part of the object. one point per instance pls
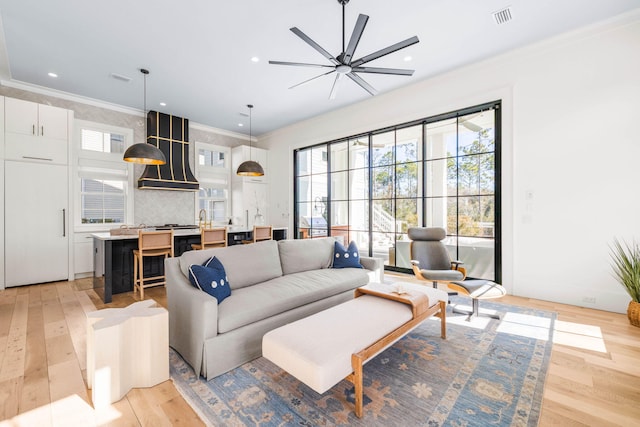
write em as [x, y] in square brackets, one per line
[121, 77]
[503, 16]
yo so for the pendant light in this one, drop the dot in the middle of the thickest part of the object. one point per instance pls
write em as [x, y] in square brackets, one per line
[144, 152]
[249, 167]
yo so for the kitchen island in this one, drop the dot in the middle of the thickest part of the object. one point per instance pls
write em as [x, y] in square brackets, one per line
[113, 256]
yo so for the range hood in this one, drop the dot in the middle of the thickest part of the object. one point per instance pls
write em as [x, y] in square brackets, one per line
[171, 135]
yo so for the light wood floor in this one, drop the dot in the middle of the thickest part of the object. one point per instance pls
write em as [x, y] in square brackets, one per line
[593, 379]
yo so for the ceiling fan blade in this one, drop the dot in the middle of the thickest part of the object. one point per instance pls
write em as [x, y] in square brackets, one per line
[355, 38]
[387, 50]
[314, 45]
[377, 70]
[334, 88]
[312, 78]
[300, 64]
[366, 86]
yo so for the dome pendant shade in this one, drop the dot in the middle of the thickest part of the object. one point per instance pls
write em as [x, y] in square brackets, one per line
[250, 168]
[142, 152]
[145, 154]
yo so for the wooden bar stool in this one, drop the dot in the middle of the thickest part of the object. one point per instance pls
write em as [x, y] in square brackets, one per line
[260, 232]
[211, 238]
[150, 244]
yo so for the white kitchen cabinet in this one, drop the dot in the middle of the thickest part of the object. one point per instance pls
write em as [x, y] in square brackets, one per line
[83, 254]
[30, 118]
[247, 199]
[242, 153]
[36, 132]
[36, 223]
[249, 194]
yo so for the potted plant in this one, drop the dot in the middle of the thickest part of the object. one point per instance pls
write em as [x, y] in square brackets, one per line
[626, 266]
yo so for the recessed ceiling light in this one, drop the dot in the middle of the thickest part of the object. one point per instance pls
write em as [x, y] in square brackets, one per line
[163, 104]
[54, 75]
[255, 59]
[240, 124]
[407, 58]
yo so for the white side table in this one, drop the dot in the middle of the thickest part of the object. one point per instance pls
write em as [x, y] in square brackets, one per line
[126, 347]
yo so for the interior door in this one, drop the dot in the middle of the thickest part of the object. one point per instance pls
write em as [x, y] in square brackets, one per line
[36, 223]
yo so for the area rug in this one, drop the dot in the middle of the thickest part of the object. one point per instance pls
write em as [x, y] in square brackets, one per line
[486, 373]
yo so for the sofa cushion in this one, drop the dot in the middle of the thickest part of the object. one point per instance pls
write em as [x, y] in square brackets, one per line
[245, 265]
[346, 258]
[210, 278]
[254, 303]
[305, 254]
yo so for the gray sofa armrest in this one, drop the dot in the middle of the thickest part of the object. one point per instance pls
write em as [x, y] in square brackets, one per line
[375, 267]
[193, 315]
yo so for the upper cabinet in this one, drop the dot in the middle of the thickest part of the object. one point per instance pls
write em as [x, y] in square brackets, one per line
[244, 152]
[36, 132]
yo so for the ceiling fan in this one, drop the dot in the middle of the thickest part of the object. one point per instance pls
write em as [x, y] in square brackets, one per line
[344, 64]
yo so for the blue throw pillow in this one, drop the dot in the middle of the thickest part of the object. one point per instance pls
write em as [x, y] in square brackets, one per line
[210, 278]
[346, 258]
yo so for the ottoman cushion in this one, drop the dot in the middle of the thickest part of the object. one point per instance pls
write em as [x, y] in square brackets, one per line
[317, 350]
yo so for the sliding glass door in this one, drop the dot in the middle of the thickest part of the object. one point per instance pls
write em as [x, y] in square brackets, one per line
[440, 171]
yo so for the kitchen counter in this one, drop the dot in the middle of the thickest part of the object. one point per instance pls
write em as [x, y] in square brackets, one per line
[113, 256]
[234, 229]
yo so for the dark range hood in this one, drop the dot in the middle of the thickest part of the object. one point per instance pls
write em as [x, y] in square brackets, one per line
[171, 135]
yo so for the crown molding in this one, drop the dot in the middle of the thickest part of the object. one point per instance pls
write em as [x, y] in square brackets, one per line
[219, 131]
[16, 84]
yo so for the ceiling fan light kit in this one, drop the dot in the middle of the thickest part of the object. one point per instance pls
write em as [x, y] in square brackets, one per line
[344, 64]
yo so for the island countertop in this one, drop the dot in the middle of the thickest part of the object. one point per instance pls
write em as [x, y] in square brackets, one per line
[234, 229]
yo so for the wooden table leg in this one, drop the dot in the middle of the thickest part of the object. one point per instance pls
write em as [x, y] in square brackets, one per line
[356, 364]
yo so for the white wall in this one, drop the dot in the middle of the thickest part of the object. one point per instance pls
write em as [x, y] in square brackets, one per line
[571, 120]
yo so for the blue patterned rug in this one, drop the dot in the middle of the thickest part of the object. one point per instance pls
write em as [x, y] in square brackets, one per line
[486, 373]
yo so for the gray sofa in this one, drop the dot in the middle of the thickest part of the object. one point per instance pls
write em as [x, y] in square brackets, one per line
[272, 284]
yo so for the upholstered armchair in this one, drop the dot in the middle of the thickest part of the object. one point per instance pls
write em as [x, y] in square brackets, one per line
[430, 259]
[431, 262]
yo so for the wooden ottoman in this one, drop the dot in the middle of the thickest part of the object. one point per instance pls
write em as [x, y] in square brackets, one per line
[322, 349]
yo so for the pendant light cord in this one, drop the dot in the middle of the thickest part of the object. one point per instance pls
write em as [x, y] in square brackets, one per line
[144, 72]
[250, 107]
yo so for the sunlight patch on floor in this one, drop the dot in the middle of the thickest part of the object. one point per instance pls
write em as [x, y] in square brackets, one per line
[525, 325]
[579, 335]
[464, 320]
[72, 411]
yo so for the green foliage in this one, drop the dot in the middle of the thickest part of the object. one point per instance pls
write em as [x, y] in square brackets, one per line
[397, 181]
[472, 173]
[626, 266]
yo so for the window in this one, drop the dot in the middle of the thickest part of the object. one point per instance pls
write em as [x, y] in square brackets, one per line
[438, 171]
[213, 165]
[103, 142]
[103, 196]
[102, 201]
[213, 199]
